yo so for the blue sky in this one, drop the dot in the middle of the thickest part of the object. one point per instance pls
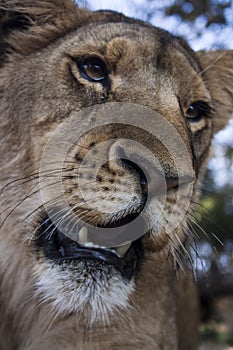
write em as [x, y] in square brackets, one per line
[140, 8]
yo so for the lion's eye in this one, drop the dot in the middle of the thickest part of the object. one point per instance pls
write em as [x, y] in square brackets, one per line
[197, 111]
[93, 69]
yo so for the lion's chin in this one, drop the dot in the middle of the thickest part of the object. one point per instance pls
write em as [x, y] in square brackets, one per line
[89, 289]
[90, 281]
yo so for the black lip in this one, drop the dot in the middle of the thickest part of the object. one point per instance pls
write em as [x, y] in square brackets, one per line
[60, 248]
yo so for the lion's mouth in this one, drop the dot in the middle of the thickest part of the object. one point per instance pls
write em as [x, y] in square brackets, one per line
[61, 249]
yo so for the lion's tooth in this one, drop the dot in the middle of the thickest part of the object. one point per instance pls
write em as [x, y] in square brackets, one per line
[82, 237]
[83, 240]
[122, 250]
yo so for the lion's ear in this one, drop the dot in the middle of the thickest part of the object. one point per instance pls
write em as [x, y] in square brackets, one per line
[26, 25]
[217, 71]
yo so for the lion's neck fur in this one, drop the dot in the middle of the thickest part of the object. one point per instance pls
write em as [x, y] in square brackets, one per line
[39, 327]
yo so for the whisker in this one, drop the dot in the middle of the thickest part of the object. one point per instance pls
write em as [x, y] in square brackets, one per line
[29, 195]
[217, 239]
[213, 62]
[49, 218]
[214, 192]
[28, 178]
[43, 173]
[57, 223]
[210, 217]
[194, 221]
[42, 205]
[195, 249]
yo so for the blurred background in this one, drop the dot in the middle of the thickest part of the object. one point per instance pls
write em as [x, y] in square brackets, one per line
[205, 24]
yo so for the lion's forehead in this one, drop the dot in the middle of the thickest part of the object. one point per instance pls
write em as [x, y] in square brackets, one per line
[133, 41]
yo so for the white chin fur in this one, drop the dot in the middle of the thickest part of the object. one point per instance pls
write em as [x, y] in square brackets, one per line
[94, 293]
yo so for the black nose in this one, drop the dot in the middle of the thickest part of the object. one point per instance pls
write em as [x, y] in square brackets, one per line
[135, 168]
[152, 181]
[129, 164]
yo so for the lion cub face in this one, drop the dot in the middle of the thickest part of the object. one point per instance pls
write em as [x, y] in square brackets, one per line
[110, 126]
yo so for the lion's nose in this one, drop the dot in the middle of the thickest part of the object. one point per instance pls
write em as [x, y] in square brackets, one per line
[152, 180]
[133, 167]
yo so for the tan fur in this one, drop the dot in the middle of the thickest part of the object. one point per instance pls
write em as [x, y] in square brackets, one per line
[40, 87]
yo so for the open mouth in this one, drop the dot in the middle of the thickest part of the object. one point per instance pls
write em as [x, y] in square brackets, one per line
[61, 249]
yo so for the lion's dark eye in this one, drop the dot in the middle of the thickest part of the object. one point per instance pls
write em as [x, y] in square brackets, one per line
[197, 111]
[93, 69]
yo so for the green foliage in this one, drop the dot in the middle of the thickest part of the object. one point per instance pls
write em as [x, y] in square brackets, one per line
[215, 213]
